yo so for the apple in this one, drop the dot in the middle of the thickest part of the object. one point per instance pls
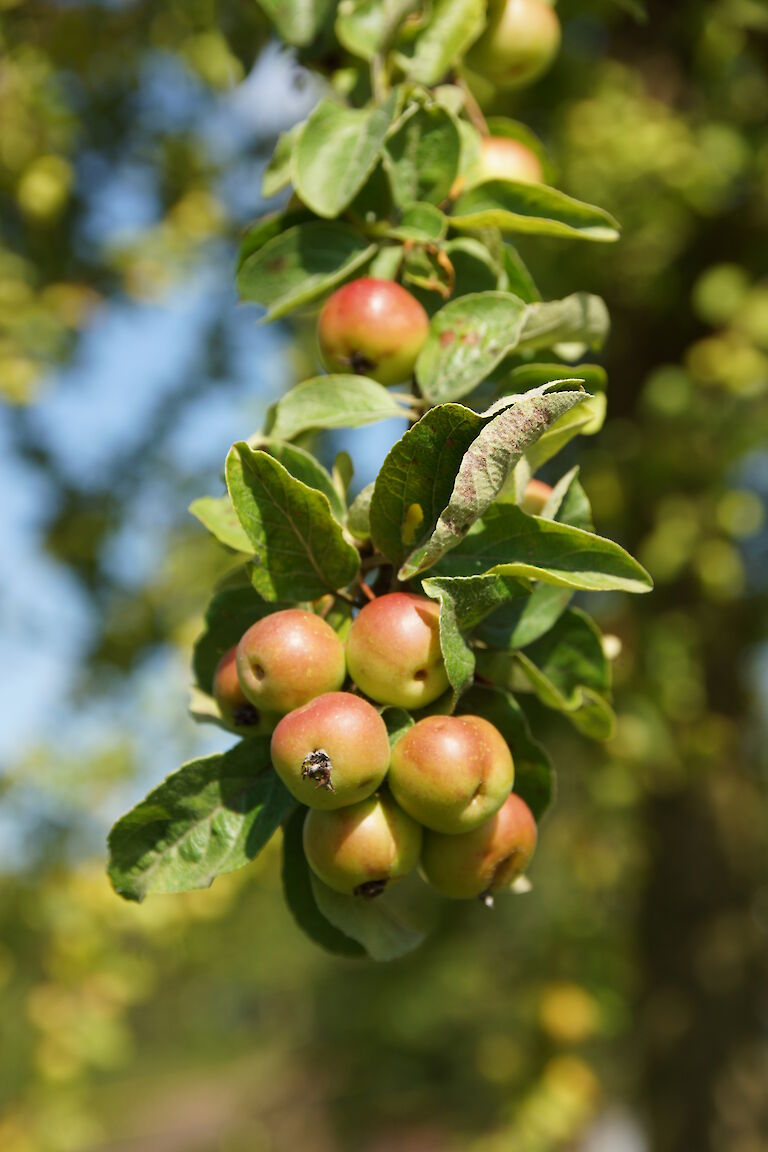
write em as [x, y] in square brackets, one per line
[359, 849]
[451, 773]
[332, 752]
[520, 41]
[393, 650]
[373, 328]
[485, 860]
[237, 712]
[287, 658]
[535, 497]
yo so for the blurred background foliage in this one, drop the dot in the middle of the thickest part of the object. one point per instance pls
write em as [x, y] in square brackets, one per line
[622, 1006]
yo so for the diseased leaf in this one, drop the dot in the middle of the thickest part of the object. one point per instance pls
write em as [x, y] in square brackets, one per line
[417, 477]
[300, 549]
[534, 776]
[333, 402]
[337, 151]
[300, 264]
[212, 816]
[513, 206]
[467, 339]
[297, 889]
[585, 420]
[217, 515]
[511, 543]
[485, 468]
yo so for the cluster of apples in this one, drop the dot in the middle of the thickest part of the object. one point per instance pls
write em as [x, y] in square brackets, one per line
[440, 798]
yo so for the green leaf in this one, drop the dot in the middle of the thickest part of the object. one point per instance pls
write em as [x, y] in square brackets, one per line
[303, 466]
[333, 402]
[416, 479]
[230, 613]
[464, 602]
[297, 21]
[509, 542]
[277, 174]
[475, 267]
[517, 279]
[366, 27]
[528, 376]
[569, 503]
[398, 721]
[359, 515]
[389, 926]
[581, 318]
[300, 549]
[513, 206]
[422, 156]
[534, 778]
[525, 617]
[421, 223]
[467, 339]
[301, 264]
[297, 889]
[569, 672]
[386, 263]
[267, 227]
[453, 26]
[485, 469]
[336, 152]
[212, 816]
[217, 515]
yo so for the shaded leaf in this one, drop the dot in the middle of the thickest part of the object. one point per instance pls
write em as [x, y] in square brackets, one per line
[398, 721]
[297, 889]
[230, 613]
[389, 926]
[277, 174]
[365, 27]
